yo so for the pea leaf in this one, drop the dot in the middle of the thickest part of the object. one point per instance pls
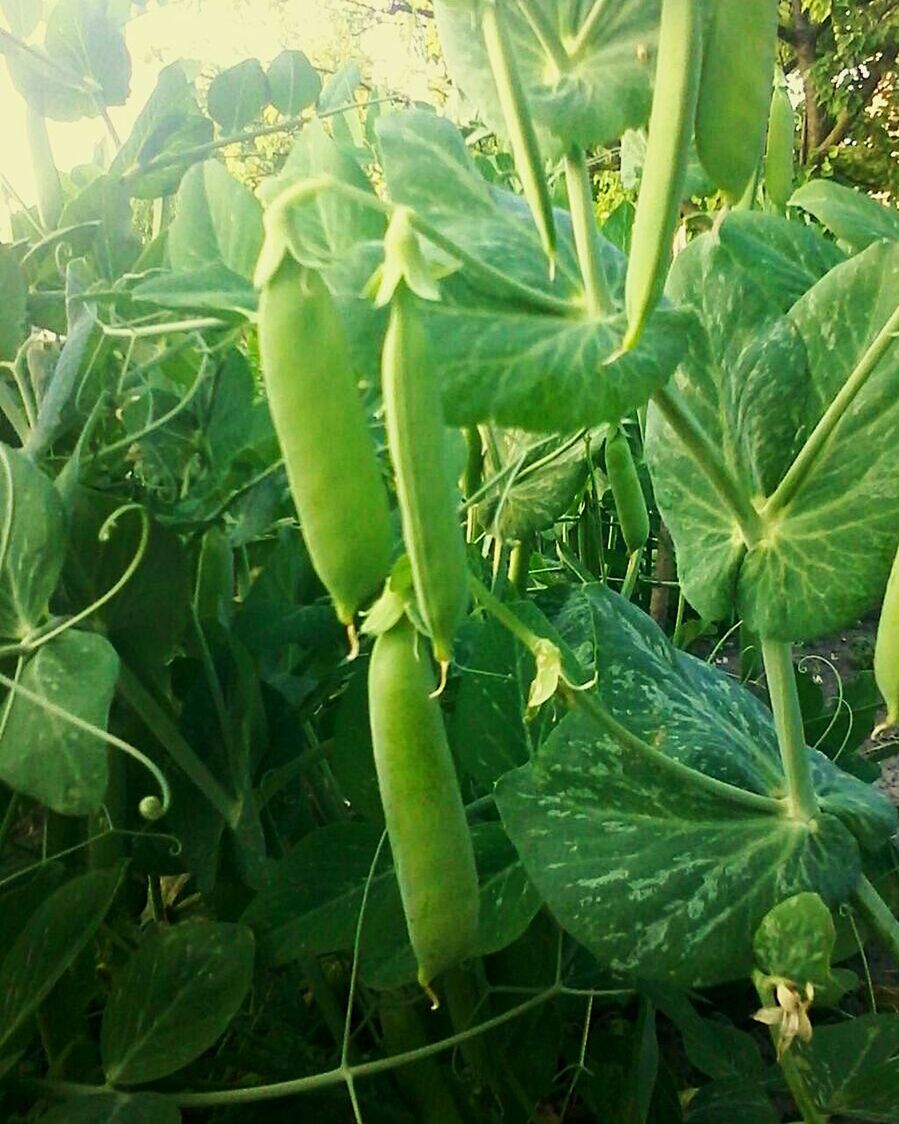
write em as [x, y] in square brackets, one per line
[43, 754]
[856, 219]
[294, 83]
[758, 382]
[57, 931]
[796, 940]
[596, 820]
[12, 311]
[142, 1108]
[23, 15]
[852, 1069]
[237, 95]
[174, 998]
[32, 545]
[598, 85]
[83, 36]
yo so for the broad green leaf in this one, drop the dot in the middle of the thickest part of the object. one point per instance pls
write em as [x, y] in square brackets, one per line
[237, 95]
[55, 934]
[12, 310]
[856, 219]
[208, 287]
[169, 123]
[82, 36]
[340, 87]
[758, 382]
[115, 247]
[599, 84]
[294, 83]
[509, 345]
[116, 1108]
[218, 223]
[852, 1070]
[22, 15]
[655, 871]
[174, 998]
[32, 544]
[311, 903]
[723, 1102]
[43, 754]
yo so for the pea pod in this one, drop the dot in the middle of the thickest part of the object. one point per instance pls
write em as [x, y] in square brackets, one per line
[322, 429]
[424, 483]
[627, 492]
[519, 125]
[779, 150]
[886, 650]
[661, 189]
[423, 810]
[735, 91]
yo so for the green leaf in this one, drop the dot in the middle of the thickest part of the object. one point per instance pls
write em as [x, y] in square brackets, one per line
[657, 873]
[796, 939]
[723, 1102]
[294, 83]
[169, 123]
[218, 223]
[310, 905]
[82, 36]
[54, 936]
[237, 95]
[852, 1070]
[115, 247]
[856, 219]
[22, 15]
[12, 311]
[41, 753]
[174, 998]
[758, 382]
[32, 544]
[142, 1108]
[591, 94]
[511, 346]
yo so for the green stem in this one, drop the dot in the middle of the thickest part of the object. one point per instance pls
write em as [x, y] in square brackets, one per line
[793, 1076]
[708, 457]
[878, 916]
[631, 574]
[833, 415]
[778, 659]
[583, 221]
[519, 567]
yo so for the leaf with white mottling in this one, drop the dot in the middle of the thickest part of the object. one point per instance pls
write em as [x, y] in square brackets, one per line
[852, 1070]
[855, 218]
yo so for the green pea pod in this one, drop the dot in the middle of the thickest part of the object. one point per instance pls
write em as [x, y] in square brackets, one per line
[735, 91]
[886, 650]
[50, 199]
[627, 492]
[426, 825]
[427, 496]
[779, 150]
[519, 126]
[322, 429]
[664, 172]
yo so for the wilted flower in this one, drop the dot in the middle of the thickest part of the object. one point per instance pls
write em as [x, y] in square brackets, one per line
[790, 1016]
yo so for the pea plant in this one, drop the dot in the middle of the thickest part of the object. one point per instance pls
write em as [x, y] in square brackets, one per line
[348, 765]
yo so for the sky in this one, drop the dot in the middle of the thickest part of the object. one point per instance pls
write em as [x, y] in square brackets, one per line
[216, 33]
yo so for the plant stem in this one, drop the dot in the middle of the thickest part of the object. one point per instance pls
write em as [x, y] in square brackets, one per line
[811, 1114]
[778, 659]
[833, 415]
[878, 916]
[708, 457]
[519, 567]
[583, 221]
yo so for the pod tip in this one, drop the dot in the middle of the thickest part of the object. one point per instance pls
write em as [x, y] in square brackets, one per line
[353, 640]
[441, 686]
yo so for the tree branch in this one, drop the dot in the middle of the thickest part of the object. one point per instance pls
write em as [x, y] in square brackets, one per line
[866, 91]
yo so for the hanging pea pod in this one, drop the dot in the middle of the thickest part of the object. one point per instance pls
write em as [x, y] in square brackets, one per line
[661, 189]
[322, 429]
[627, 492]
[886, 650]
[779, 150]
[519, 125]
[426, 825]
[424, 484]
[735, 91]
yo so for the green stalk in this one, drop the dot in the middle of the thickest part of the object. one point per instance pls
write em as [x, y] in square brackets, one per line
[878, 916]
[50, 199]
[519, 567]
[793, 1075]
[778, 659]
[583, 221]
[833, 415]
